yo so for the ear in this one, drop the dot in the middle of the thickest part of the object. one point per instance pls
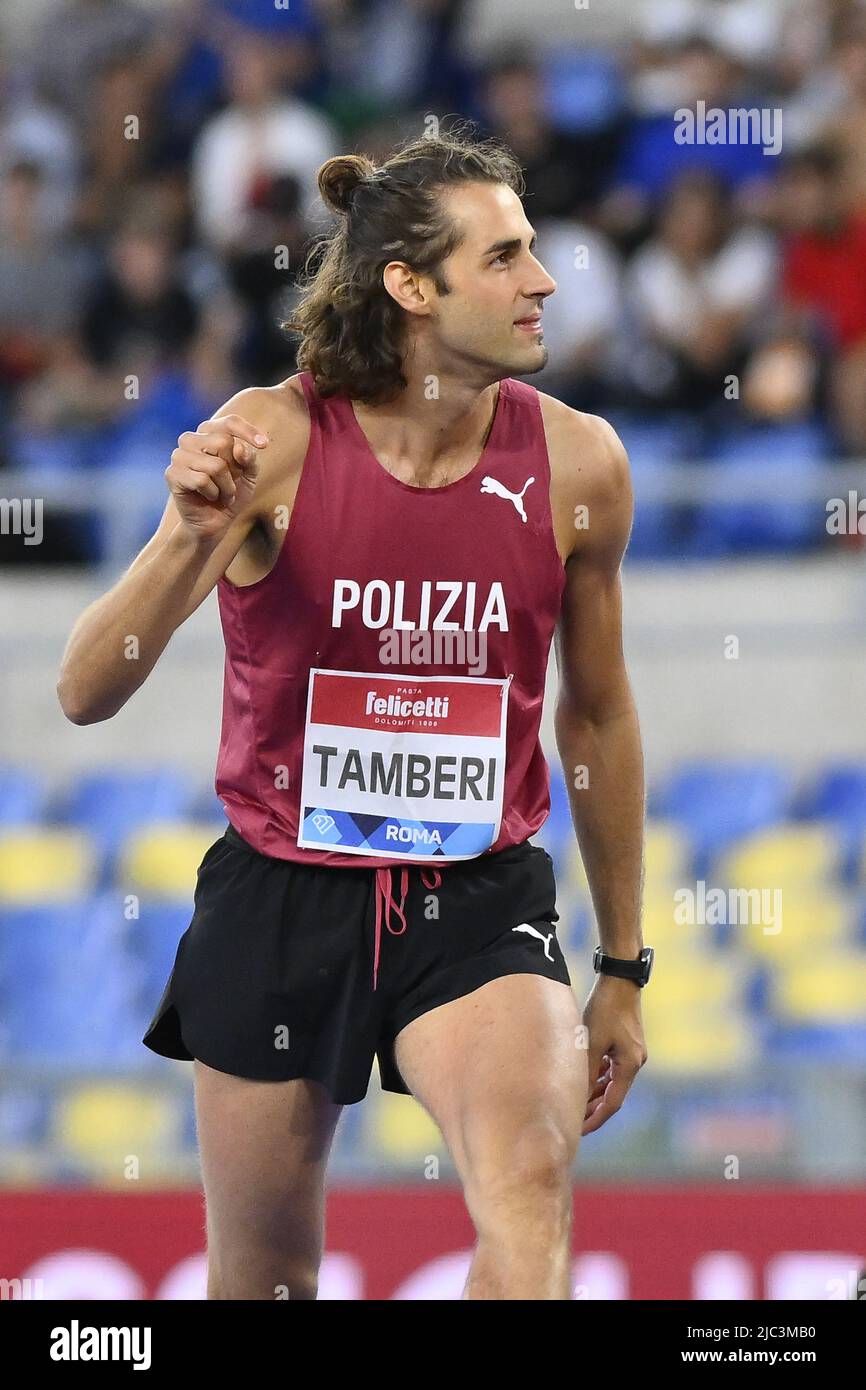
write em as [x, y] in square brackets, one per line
[413, 292]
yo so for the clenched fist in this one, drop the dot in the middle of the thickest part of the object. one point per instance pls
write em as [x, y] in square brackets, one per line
[212, 474]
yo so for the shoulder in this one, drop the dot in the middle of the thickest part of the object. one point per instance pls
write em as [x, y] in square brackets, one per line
[585, 450]
[280, 412]
[589, 469]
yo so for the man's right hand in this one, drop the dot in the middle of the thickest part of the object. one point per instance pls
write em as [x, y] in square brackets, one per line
[212, 474]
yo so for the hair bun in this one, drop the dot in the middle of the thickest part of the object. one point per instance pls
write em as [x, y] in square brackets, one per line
[340, 176]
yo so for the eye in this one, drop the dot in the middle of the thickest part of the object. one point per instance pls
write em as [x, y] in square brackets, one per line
[503, 257]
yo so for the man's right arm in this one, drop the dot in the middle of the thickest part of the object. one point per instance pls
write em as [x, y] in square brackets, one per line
[216, 482]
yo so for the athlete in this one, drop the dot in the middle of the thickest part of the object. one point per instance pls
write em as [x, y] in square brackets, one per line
[396, 534]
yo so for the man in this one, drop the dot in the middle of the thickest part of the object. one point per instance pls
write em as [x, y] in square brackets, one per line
[403, 489]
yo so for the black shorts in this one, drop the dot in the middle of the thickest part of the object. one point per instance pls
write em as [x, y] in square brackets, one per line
[273, 978]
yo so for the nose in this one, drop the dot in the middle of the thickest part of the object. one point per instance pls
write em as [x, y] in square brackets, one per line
[543, 284]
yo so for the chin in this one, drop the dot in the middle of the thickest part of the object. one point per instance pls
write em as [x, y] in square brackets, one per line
[536, 361]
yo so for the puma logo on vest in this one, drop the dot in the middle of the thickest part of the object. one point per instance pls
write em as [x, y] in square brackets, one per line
[531, 931]
[489, 484]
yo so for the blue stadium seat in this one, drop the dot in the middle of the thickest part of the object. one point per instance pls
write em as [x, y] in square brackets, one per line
[838, 795]
[718, 803]
[25, 1115]
[557, 833]
[841, 1042]
[22, 796]
[794, 454]
[157, 934]
[69, 983]
[652, 444]
[113, 802]
[69, 1033]
[208, 807]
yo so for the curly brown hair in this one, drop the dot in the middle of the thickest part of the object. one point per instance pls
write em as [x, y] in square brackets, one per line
[352, 330]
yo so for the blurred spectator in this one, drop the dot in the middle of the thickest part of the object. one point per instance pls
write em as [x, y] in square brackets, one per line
[75, 40]
[582, 319]
[263, 134]
[847, 128]
[138, 320]
[824, 279]
[117, 131]
[34, 132]
[41, 280]
[140, 314]
[261, 271]
[694, 291]
[397, 53]
[564, 172]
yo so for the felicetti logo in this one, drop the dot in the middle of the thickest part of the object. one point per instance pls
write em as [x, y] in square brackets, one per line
[402, 706]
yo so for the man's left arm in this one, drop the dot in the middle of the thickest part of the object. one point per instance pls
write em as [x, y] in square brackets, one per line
[598, 739]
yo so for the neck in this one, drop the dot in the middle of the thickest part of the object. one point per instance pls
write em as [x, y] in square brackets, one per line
[441, 418]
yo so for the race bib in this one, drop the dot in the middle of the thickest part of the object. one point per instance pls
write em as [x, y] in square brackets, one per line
[403, 766]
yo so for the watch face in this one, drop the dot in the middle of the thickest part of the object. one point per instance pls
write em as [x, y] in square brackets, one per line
[647, 956]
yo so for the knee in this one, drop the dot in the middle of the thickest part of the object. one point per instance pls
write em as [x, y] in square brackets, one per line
[529, 1175]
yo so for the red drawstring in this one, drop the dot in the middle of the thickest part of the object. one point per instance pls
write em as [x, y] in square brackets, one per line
[385, 901]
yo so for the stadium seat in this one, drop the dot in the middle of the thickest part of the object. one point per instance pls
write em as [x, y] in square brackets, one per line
[22, 796]
[163, 859]
[69, 985]
[798, 852]
[653, 444]
[700, 979]
[156, 937]
[778, 521]
[93, 1028]
[838, 796]
[45, 865]
[817, 1044]
[826, 987]
[667, 853]
[557, 833]
[112, 803]
[717, 804]
[811, 919]
[697, 1042]
[118, 1134]
[208, 807]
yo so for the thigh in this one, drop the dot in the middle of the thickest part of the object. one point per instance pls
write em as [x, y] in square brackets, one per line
[264, 1149]
[498, 1069]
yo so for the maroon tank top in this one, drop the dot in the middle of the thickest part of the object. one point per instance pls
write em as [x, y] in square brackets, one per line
[384, 681]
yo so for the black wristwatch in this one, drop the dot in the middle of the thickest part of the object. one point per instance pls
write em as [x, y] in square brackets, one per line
[638, 970]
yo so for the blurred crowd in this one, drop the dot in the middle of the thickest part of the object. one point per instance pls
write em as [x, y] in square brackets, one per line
[157, 199]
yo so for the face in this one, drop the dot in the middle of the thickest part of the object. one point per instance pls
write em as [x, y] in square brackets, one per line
[691, 222]
[494, 280]
[807, 197]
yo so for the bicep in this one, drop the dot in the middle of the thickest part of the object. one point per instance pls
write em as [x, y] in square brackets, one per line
[589, 628]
